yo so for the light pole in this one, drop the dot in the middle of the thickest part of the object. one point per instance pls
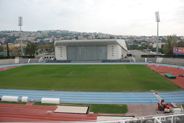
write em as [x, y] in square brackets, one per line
[157, 20]
[20, 24]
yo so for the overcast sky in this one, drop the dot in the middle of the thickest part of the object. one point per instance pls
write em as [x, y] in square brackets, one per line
[119, 17]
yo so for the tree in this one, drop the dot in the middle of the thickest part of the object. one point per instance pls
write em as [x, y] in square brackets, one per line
[14, 51]
[7, 49]
[1, 48]
[170, 43]
[134, 46]
[163, 40]
[127, 45]
[160, 50]
[30, 49]
[135, 41]
[180, 44]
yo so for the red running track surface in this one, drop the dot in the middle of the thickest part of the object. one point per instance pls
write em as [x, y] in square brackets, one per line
[32, 113]
[6, 68]
[162, 70]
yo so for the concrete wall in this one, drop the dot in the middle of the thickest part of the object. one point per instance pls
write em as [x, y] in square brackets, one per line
[139, 59]
[123, 53]
[23, 60]
[113, 52]
[61, 52]
[151, 59]
[7, 61]
[12, 61]
[33, 60]
[143, 60]
[175, 61]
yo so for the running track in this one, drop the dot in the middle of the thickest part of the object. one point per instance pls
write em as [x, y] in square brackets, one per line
[96, 97]
[32, 113]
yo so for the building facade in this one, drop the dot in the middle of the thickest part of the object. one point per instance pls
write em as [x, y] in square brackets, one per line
[80, 50]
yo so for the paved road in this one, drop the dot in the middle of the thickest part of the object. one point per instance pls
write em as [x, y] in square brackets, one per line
[97, 97]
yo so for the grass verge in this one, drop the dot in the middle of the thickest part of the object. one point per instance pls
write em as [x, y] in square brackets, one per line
[97, 108]
[39, 103]
[23, 103]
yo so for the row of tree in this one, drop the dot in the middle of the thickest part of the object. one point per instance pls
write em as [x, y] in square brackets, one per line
[167, 48]
[170, 43]
[31, 49]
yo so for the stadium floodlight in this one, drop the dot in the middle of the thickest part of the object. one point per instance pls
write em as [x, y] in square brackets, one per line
[20, 24]
[20, 21]
[157, 17]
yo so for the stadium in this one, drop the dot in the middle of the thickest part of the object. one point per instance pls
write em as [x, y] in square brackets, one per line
[92, 91]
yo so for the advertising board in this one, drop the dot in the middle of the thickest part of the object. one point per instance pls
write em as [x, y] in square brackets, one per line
[178, 50]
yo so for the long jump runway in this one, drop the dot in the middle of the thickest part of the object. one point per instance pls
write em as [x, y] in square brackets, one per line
[97, 97]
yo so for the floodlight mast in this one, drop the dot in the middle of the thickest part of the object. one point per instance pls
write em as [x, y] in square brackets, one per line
[20, 24]
[157, 20]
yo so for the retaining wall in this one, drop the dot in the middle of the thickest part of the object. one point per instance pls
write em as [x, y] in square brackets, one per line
[139, 59]
[23, 60]
[152, 59]
[7, 61]
[175, 61]
[33, 60]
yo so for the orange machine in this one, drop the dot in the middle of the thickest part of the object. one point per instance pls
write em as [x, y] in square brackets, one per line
[162, 106]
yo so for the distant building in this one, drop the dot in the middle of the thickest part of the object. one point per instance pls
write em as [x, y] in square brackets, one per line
[136, 53]
[159, 45]
[79, 50]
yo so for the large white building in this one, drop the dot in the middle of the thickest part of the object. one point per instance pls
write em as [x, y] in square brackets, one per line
[80, 50]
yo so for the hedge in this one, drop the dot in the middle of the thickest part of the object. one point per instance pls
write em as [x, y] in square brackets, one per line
[7, 57]
[13, 57]
[164, 56]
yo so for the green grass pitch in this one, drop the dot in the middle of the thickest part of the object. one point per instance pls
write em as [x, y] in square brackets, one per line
[113, 78]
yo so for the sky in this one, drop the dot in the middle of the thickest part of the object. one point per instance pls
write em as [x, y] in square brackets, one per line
[118, 17]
